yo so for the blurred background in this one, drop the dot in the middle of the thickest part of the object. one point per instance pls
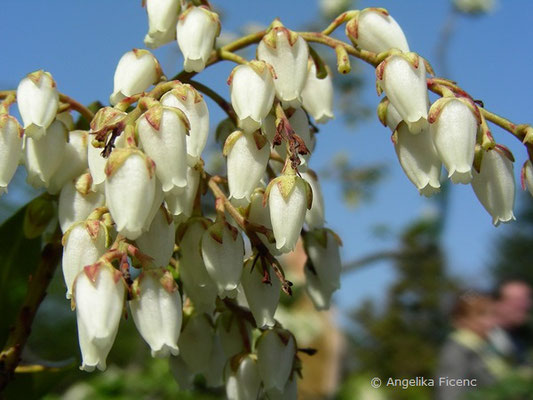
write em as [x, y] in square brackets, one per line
[406, 258]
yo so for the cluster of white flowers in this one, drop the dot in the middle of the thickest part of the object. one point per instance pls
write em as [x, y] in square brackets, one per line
[134, 229]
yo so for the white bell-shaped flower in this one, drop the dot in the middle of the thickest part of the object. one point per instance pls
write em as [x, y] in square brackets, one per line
[418, 158]
[275, 354]
[262, 297]
[247, 157]
[527, 177]
[259, 213]
[288, 198]
[196, 342]
[99, 293]
[129, 190]
[77, 200]
[289, 392]
[180, 203]
[319, 295]
[83, 244]
[230, 329]
[190, 236]
[300, 124]
[156, 311]
[162, 131]
[181, 373]
[158, 241]
[314, 217]
[454, 125]
[159, 197]
[287, 52]
[373, 29]
[188, 100]
[252, 93]
[223, 252]
[403, 78]
[74, 161]
[324, 260]
[388, 115]
[38, 101]
[196, 31]
[494, 185]
[94, 154]
[10, 149]
[214, 375]
[317, 95]
[136, 71]
[242, 379]
[162, 19]
[203, 297]
[43, 156]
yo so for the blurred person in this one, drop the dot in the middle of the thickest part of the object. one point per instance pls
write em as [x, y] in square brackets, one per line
[513, 306]
[468, 361]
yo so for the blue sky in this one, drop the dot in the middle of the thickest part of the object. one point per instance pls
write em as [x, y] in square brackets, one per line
[491, 56]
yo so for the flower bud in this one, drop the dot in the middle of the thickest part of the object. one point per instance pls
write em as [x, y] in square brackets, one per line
[158, 241]
[156, 311]
[248, 155]
[403, 78]
[129, 190]
[136, 71]
[99, 293]
[275, 354]
[197, 30]
[454, 125]
[188, 100]
[74, 161]
[418, 158]
[262, 296]
[162, 131]
[494, 185]
[317, 95]
[373, 29]
[252, 93]
[230, 329]
[43, 156]
[287, 53]
[242, 378]
[288, 197]
[527, 176]
[38, 101]
[77, 200]
[260, 214]
[223, 252]
[162, 19]
[10, 149]
[314, 217]
[323, 258]
[181, 373]
[196, 343]
[180, 203]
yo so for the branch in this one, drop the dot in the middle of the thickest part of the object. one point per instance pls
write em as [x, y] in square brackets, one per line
[37, 286]
[371, 258]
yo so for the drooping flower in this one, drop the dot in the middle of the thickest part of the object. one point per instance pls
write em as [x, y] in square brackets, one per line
[527, 176]
[196, 31]
[494, 185]
[10, 149]
[136, 71]
[242, 379]
[188, 100]
[38, 101]
[162, 19]
[231, 329]
[181, 202]
[252, 93]
[403, 79]
[158, 241]
[315, 216]
[454, 125]
[288, 197]
[287, 52]
[129, 190]
[99, 294]
[156, 311]
[317, 95]
[162, 131]
[262, 296]
[247, 157]
[373, 29]
[196, 342]
[275, 353]
[388, 115]
[83, 244]
[259, 213]
[418, 158]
